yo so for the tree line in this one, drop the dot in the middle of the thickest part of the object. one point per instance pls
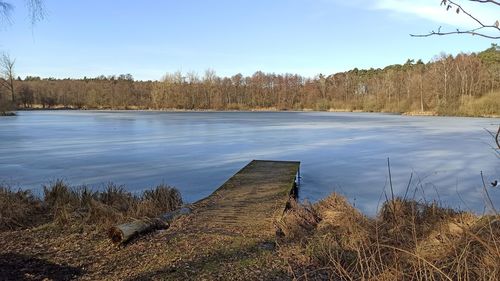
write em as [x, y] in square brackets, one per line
[466, 84]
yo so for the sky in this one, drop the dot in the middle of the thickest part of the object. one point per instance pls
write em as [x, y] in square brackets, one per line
[149, 38]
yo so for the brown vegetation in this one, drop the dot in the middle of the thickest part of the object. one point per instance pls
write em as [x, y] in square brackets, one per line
[465, 84]
[5, 107]
[328, 240]
[65, 205]
[487, 105]
[19, 209]
[408, 240]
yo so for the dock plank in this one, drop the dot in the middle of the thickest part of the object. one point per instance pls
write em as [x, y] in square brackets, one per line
[251, 199]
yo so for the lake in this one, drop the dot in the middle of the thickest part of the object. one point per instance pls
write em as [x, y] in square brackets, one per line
[197, 151]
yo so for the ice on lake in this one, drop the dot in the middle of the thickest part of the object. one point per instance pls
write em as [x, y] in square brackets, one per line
[198, 151]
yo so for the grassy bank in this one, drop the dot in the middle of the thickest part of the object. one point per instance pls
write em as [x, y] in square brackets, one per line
[408, 240]
[62, 236]
[82, 206]
[487, 106]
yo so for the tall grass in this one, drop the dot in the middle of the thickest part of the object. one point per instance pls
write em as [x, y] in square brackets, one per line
[487, 105]
[65, 205]
[408, 240]
[18, 209]
[159, 200]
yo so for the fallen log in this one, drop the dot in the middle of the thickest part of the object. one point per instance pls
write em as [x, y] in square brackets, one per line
[125, 232]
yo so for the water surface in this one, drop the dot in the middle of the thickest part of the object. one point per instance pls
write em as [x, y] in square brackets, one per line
[198, 151]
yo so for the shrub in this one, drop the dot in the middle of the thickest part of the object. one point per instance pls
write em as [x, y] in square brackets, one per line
[164, 198]
[5, 107]
[298, 221]
[117, 197]
[61, 200]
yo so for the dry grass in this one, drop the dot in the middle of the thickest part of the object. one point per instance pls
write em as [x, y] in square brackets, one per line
[158, 201]
[18, 209]
[299, 221]
[77, 206]
[407, 240]
[487, 105]
[329, 240]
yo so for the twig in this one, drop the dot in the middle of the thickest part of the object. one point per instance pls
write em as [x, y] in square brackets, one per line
[437, 192]
[471, 32]
[496, 140]
[497, 137]
[382, 193]
[5, 10]
[420, 258]
[408, 186]
[487, 1]
[488, 195]
[460, 196]
[393, 203]
[390, 178]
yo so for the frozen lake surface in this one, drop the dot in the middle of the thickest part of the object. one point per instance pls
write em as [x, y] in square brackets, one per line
[197, 151]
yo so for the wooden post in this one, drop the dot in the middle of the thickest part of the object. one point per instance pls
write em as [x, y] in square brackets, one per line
[298, 177]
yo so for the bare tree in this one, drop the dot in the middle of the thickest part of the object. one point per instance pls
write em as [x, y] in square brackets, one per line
[483, 29]
[7, 74]
[26, 96]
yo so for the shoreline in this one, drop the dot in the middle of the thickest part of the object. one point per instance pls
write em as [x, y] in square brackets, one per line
[7, 114]
[331, 110]
[69, 240]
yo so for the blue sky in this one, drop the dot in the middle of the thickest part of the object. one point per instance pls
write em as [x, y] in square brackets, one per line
[151, 37]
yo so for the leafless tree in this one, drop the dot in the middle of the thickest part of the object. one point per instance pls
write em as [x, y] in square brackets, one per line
[7, 74]
[26, 96]
[483, 29]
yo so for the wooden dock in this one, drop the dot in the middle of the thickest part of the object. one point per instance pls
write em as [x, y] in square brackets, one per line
[230, 235]
[250, 200]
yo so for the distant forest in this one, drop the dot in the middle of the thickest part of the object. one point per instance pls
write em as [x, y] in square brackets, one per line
[465, 84]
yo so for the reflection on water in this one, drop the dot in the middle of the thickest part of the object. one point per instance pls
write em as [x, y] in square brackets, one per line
[198, 151]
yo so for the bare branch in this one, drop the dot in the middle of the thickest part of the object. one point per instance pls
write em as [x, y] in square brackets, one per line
[5, 10]
[4, 83]
[488, 198]
[472, 32]
[487, 1]
[497, 137]
[479, 31]
[36, 10]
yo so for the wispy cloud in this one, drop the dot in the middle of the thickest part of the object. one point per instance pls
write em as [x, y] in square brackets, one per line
[432, 11]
